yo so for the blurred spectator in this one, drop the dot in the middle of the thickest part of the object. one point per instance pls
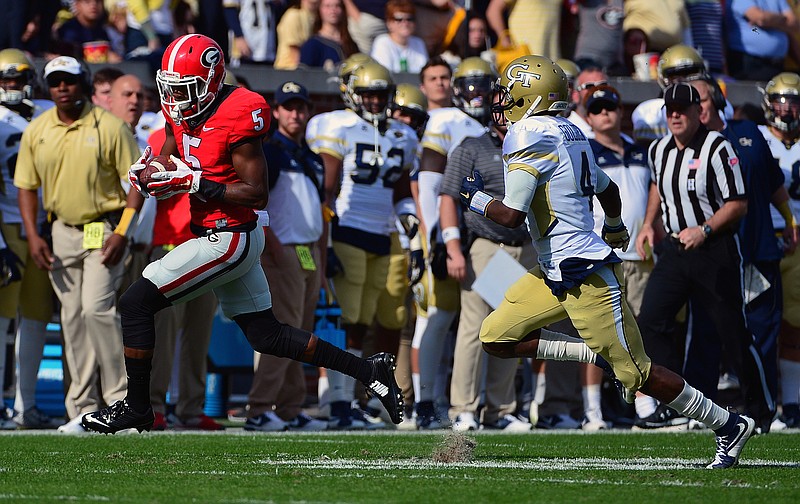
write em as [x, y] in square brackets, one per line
[588, 79]
[21, 22]
[85, 36]
[599, 41]
[547, 13]
[399, 50]
[150, 29]
[757, 34]
[60, 150]
[442, 20]
[652, 26]
[365, 21]
[101, 86]
[706, 23]
[294, 28]
[476, 43]
[117, 26]
[254, 29]
[331, 42]
[292, 260]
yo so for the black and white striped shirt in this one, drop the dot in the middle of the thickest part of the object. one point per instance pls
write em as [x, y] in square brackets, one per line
[696, 181]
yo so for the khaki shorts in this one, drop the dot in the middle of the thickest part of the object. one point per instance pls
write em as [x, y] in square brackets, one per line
[790, 277]
[430, 291]
[391, 312]
[33, 295]
[636, 275]
[597, 309]
[363, 280]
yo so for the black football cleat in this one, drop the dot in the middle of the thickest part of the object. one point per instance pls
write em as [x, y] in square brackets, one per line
[119, 416]
[384, 386]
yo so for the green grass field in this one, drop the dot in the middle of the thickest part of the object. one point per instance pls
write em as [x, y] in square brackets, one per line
[240, 467]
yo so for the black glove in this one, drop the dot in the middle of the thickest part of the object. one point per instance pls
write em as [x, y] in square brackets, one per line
[334, 265]
[617, 236]
[410, 224]
[416, 267]
[9, 267]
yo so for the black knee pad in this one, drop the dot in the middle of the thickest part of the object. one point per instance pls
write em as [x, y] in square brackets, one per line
[137, 307]
[269, 336]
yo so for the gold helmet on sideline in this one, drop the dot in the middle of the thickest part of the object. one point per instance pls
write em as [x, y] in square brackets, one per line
[346, 69]
[472, 87]
[680, 63]
[531, 85]
[781, 102]
[15, 64]
[371, 77]
[409, 100]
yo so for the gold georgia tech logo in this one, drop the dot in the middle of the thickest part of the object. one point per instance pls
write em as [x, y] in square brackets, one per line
[518, 72]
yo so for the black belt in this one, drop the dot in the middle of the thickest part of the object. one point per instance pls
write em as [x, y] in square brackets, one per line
[112, 218]
[205, 231]
[507, 243]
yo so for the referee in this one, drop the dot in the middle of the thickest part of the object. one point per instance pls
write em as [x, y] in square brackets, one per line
[698, 189]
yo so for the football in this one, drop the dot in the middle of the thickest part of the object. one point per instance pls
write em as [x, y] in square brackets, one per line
[156, 164]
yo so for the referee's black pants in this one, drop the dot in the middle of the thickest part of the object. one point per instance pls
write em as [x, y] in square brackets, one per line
[712, 277]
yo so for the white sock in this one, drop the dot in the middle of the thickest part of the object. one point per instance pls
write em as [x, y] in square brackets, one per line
[591, 402]
[790, 381]
[693, 404]
[415, 384]
[539, 385]
[431, 346]
[29, 347]
[4, 325]
[562, 347]
[336, 387]
[645, 405]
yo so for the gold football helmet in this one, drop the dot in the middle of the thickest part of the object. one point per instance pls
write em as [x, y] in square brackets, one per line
[345, 71]
[781, 102]
[409, 100]
[472, 87]
[680, 63]
[571, 70]
[15, 64]
[371, 77]
[530, 85]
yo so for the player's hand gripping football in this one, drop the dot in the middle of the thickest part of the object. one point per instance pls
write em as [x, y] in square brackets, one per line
[137, 167]
[167, 184]
[472, 195]
[616, 236]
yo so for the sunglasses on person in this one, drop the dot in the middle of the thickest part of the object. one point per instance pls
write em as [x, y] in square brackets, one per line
[407, 19]
[55, 80]
[590, 85]
[599, 107]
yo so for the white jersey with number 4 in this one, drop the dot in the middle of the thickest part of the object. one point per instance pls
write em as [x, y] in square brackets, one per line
[789, 160]
[552, 175]
[371, 164]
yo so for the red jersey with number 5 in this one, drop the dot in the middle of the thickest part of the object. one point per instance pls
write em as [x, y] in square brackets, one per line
[240, 115]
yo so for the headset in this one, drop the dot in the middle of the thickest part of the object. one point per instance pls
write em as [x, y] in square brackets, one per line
[86, 78]
[716, 94]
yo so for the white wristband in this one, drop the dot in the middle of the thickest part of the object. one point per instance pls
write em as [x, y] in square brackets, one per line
[479, 202]
[451, 233]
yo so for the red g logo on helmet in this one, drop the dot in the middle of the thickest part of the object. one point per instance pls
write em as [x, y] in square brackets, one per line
[192, 71]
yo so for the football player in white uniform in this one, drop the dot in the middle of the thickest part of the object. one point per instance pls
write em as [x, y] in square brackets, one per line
[437, 295]
[781, 106]
[551, 178]
[32, 295]
[367, 158]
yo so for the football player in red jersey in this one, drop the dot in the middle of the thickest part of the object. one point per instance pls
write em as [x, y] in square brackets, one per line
[214, 134]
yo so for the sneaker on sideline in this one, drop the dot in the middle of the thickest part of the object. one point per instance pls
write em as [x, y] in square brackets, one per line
[159, 421]
[34, 418]
[509, 423]
[560, 421]
[6, 423]
[303, 422]
[74, 426]
[662, 417]
[342, 417]
[370, 422]
[266, 422]
[465, 422]
[594, 425]
[730, 446]
[199, 422]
